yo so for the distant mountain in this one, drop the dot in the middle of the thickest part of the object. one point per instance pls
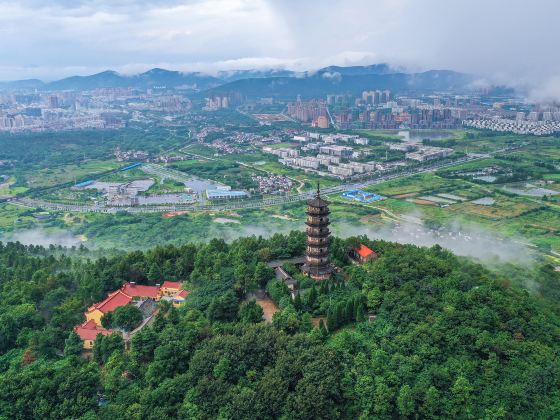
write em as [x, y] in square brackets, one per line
[233, 75]
[361, 70]
[107, 79]
[353, 82]
[254, 83]
[110, 79]
[152, 78]
[22, 84]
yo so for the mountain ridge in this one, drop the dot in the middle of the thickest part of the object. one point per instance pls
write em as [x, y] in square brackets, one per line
[262, 82]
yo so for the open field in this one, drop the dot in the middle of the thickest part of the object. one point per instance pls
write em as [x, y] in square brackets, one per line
[7, 188]
[59, 175]
[437, 199]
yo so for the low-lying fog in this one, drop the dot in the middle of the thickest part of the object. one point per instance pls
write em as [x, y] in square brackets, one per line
[469, 241]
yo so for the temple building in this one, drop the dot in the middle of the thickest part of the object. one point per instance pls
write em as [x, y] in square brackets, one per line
[317, 262]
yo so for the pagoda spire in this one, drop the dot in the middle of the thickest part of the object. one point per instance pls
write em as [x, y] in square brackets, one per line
[317, 261]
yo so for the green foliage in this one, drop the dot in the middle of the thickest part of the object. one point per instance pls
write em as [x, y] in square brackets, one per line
[126, 318]
[73, 345]
[223, 308]
[250, 312]
[105, 345]
[277, 290]
[450, 339]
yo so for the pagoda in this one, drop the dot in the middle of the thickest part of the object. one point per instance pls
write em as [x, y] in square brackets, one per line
[317, 262]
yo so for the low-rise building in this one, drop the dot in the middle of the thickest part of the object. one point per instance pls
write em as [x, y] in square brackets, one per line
[144, 297]
[340, 171]
[88, 332]
[336, 150]
[429, 153]
[363, 254]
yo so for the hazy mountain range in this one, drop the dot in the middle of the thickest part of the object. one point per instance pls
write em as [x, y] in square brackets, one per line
[255, 83]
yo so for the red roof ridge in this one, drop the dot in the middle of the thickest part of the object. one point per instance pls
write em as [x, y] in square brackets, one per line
[109, 299]
[364, 251]
[86, 331]
[171, 284]
[143, 290]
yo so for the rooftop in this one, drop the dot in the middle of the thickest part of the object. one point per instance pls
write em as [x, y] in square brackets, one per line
[112, 302]
[183, 293]
[139, 290]
[171, 285]
[89, 330]
[364, 251]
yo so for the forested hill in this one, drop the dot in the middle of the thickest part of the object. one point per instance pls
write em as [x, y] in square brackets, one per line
[449, 339]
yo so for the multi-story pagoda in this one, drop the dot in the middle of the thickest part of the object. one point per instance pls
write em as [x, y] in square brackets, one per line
[317, 262]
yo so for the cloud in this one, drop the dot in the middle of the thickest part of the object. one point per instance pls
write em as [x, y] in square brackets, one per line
[548, 91]
[332, 76]
[43, 238]
[504, 41]
[465, 240]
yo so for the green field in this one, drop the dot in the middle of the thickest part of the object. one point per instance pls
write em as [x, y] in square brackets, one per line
[47, 177]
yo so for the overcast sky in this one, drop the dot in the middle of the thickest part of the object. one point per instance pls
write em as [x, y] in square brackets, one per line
[510, 40]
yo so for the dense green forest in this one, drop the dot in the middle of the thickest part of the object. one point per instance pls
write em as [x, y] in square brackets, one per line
[417, 333]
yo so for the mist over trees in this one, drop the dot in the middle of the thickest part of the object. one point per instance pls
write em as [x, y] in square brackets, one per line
[418, 332]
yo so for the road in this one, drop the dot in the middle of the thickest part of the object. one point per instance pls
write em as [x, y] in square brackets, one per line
[240, 203]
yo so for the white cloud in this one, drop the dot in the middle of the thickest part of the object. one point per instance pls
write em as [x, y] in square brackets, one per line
[503, 40]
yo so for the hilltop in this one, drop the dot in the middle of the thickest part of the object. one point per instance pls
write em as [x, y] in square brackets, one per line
[255, 82]
[416, 331]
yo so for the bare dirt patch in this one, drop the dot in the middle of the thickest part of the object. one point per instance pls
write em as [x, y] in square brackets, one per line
[269, 308]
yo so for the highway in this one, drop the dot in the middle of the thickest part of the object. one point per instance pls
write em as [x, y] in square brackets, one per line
[238, 204]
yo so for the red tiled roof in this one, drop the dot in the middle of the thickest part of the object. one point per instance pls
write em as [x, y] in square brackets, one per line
[89, 330]
[364, 251]
[183, 293]
[171, 285]
[90, 325]
[112, 302]
[139, 290]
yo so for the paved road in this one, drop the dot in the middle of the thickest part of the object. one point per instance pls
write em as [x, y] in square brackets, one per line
[239, 204]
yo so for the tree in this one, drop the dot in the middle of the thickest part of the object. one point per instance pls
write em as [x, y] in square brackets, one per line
[306, 324]
[223, 308]
[73, 345]
[432, 403]
[461, 394]
[297, 302]
[332, 322]
[286, 320]
[250, 312]
[382, 398]
[125, 317]
[405, 401]
[105, 346]
[144, 343]
[154, 273]
[263, 274]
[312, 298]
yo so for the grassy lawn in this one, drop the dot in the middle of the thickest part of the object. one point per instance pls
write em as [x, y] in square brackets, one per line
[59, 175]
[11, 216]
[6, 189]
